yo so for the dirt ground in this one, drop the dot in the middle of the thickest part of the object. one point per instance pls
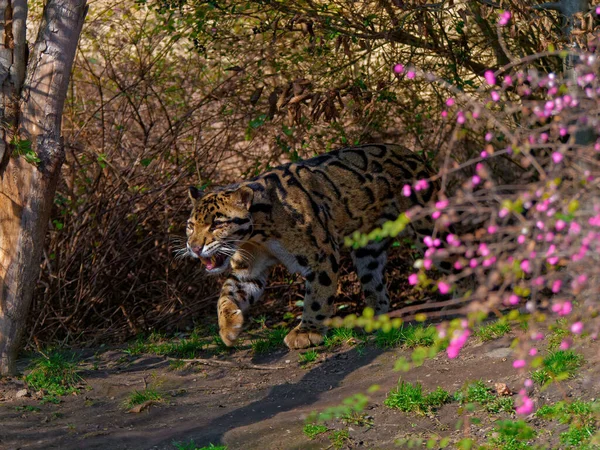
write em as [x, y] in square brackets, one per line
[246, 408]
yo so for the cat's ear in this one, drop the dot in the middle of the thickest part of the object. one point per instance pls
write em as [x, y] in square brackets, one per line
[195, 193]
[244, 196]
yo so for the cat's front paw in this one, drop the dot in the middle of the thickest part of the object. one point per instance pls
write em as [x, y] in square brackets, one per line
[231, 321]
[303, 338]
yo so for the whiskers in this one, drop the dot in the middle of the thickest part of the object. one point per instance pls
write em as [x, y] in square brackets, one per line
[180, 247]
[228, 248]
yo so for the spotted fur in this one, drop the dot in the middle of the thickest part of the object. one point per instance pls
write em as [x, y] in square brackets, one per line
[298, 215]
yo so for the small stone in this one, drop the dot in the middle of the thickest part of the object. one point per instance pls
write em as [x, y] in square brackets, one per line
[502, 389]
[287, 361]
[22, 393]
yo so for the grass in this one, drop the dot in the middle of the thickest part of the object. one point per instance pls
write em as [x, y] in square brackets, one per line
[55, 373]
[272, 341]
[409, 336]
[308, 357]
[410, 398]
[478, 392]
[312, 430]
[341, 336]
[558, 331]
[339, 438]
[581, 417]
[492, 331]
[139, 397]
[511, 435]
[28, 408]
[158, 344]
[558, 365]
[191, 445]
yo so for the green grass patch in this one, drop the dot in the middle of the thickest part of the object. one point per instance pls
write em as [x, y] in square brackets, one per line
[478, 392]
[312, 430]
[272, 341]
[511, 435]
[158, 344]
[492, 331]
[191, 445]
[308, 357]
[581, 417]
[558, 331]
[407, 335]
[340, 336]
[339, 439]
[558, 365]
[27, 408]
[55, 373]
[410, 398]
[139, 397]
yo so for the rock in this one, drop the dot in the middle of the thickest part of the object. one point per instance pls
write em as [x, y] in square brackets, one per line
[22, 393]
[502, 389]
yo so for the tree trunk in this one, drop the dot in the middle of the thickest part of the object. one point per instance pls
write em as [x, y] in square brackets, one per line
[28, 182]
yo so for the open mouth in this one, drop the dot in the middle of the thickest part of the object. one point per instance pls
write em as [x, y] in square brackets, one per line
[215, 262]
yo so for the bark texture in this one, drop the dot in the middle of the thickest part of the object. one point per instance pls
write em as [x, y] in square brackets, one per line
[27, 189]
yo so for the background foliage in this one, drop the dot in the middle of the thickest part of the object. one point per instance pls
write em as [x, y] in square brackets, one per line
[168, 94]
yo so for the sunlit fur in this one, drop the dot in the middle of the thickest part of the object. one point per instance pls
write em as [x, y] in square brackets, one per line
[298, 215]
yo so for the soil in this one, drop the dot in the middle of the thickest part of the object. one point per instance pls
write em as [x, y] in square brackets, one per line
[243, 407]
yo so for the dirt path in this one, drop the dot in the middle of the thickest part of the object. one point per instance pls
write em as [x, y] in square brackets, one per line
[259, 409]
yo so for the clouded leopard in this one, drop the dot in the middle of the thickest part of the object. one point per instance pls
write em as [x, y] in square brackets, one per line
[298, 215]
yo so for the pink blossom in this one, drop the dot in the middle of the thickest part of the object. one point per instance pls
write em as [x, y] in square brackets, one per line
[556, 286]
[460, 118]
[443, 287]
[553, 260]
[410, 74]
[519, 363]
[537, 336]
[513, 299]
[436, 214]
[483, 249]
[399, 68]
[489, 261]
[457, 343]
[577, 328]
[557, 157]
[562, 308]
[565, 344]
[489, 77]
[492, 229]
[574, 228]
[406, 190]
[488, 136]
[444, 114]
[483, 154]
[495, 96]
[427, 264]
[503, 212]
[533, 351]
[504, 18]
[458, 265]
[441, 204]
[473, 263]
[476, 180]
[521, 239]
[525, 266]
[525, 404]
[560, 225]
[508, 81]
[528, 383]
[421, 185]
[450, 102]
[413, 279]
